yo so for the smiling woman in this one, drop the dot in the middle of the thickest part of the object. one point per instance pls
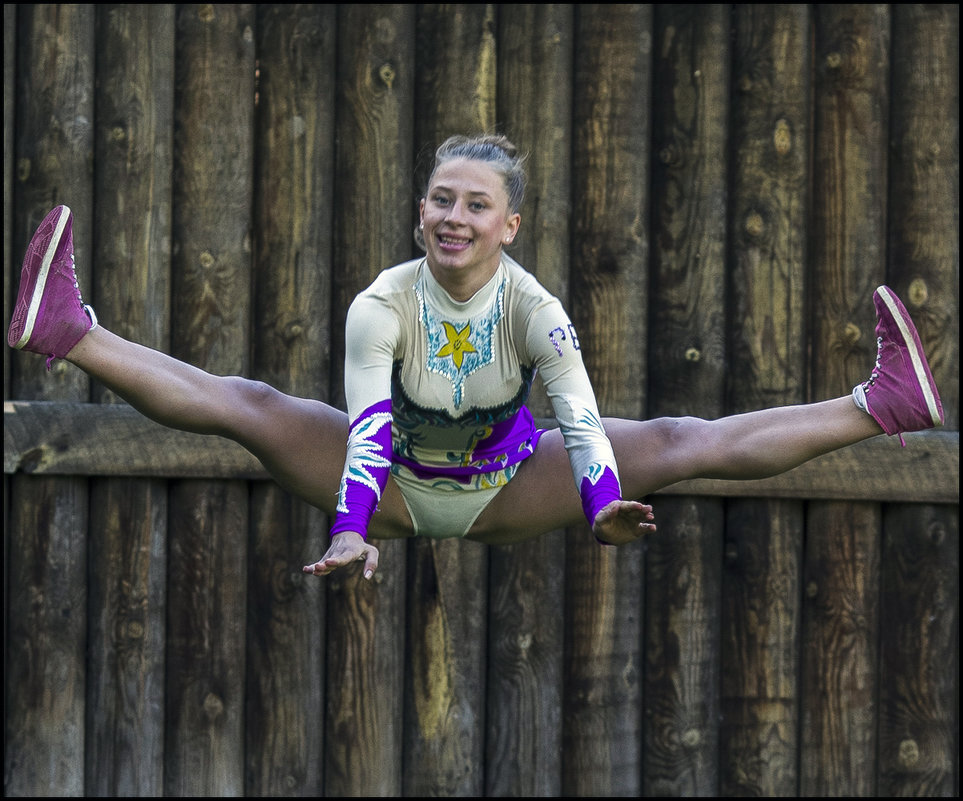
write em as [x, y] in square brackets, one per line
[441, 353]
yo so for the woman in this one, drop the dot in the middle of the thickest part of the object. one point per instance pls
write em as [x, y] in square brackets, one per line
[441, 353]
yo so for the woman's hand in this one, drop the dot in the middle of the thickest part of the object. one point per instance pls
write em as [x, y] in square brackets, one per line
[622, 522]
[346, 547]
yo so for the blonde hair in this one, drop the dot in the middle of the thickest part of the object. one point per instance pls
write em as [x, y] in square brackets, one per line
[493, 149]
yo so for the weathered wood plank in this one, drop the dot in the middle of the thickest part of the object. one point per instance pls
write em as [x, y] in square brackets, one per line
[131, 285]
[839, 678]
[45, 669]
[688, 356]
[291, 299]
[919, 652]
[456, 58]
[761, 592]
[602, 735]
[919, 645]
[526, 646]
[60, 438]
[208, 545]
[373, 227]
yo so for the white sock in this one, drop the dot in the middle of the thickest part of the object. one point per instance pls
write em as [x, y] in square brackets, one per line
[859, 398]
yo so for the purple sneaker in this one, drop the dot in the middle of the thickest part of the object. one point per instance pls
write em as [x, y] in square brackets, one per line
[901, 394]
[50, 317]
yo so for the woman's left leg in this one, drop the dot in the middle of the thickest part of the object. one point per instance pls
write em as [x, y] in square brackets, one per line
[899, 396]
[653, 454]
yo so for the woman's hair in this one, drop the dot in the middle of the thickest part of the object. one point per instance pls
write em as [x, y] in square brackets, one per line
[493, 149]
[496, 151]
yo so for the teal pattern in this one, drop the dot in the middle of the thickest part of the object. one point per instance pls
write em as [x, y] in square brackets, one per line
[456, 367]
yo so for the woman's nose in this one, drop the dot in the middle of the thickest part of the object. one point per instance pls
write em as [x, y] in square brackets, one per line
[454, 212]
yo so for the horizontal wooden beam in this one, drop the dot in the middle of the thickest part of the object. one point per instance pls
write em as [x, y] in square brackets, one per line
[90, 439]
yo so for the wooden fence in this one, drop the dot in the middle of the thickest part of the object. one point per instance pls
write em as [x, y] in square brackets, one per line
[715, 192]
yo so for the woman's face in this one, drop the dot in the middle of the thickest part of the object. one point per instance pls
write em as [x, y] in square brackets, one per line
[465, 222]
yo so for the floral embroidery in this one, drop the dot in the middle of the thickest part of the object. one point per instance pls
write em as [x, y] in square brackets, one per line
[457, 345]
[450, 353]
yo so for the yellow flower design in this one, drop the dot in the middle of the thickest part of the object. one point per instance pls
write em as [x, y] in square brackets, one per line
[458, 344]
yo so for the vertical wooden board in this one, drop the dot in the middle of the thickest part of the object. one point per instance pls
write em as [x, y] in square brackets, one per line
[769, 196]
[45, 668]
[54, 143]
[204, 744]
[365, 667]
[687, 376]
[374, 222]
[127, 607]
[761, 618]
[11, 271]
[284, 705]
[448, 579]
[851, 66]
[534, 110]
[763, 562]
[610, 201]
[456, 64]
[11, 267]
[924, 187]
[11, 261]
[681, 657]
[214, 112]
[919, 652]
[919, 678]
[601, 735]
[372, 230]
[609, 274]
[293, 213]
[839, 651]
[840, 637]
[445, 678]
[688, 280]
[524, 692]
[132, 218]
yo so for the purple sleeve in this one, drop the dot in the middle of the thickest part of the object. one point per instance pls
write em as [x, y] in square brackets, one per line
[599, 491]
[366, 469]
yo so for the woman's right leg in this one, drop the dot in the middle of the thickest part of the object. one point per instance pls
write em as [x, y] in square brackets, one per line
[301, 442]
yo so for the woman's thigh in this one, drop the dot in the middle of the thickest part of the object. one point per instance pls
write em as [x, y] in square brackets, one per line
[303, 443]
[542, 496]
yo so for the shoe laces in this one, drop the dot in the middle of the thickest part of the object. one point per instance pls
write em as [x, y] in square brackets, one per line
[878, 366]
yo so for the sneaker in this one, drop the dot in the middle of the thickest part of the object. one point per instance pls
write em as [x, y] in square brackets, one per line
[50, 316]
[901, 394]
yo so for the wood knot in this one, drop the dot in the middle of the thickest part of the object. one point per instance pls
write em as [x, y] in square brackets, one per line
[213, 706]
[691, 738]
[909, 753]
[387, 74]
[782, 137]
[754, 225]
[918, 293]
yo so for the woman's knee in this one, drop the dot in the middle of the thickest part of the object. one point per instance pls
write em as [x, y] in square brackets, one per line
[655, 453]
[251, 405]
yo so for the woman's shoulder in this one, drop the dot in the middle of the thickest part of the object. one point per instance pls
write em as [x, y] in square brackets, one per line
[394, 280]
[526, 294]
[523, 282]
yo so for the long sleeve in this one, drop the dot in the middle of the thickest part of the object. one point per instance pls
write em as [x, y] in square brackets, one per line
[371, 340]
[553, 344]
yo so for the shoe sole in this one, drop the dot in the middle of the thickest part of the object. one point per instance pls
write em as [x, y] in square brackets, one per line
[911, 340]
[37, 296]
